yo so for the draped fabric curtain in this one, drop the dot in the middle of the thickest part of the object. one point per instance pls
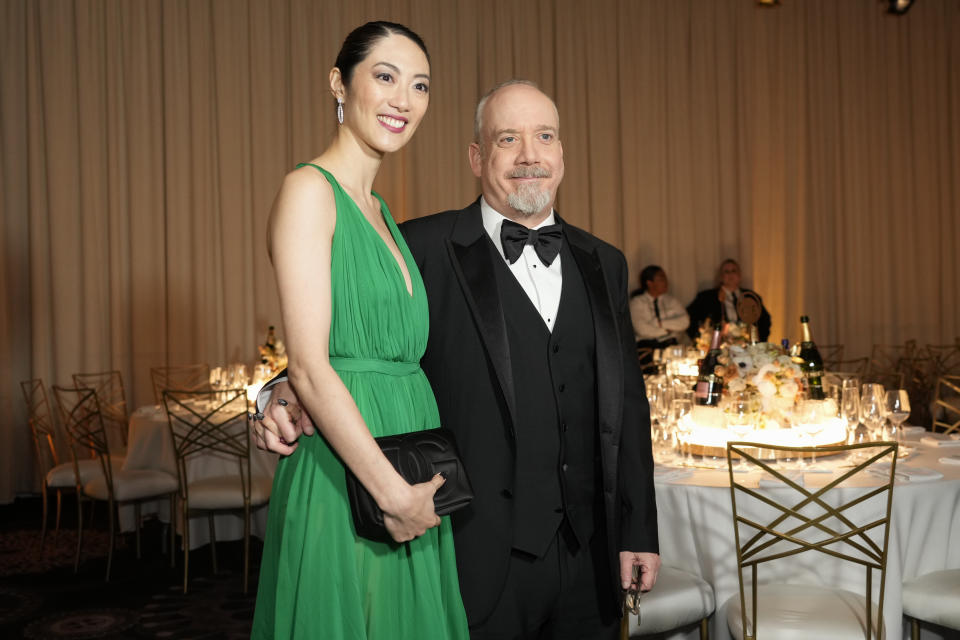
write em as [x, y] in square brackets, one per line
[143, 141]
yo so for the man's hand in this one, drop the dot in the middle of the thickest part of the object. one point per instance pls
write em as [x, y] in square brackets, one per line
[649, 564]
[282, 423]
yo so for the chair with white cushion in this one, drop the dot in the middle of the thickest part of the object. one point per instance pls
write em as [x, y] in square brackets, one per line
[80, 413]
[214, 423]
[933, 597]
[111, 397]
[677, 600]
[843, 525]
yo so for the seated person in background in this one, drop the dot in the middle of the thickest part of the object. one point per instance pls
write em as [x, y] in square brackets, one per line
[720, 303]
[659, 319]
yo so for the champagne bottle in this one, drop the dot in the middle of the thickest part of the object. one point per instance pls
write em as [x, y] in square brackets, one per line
[709, 384]
[812, 362]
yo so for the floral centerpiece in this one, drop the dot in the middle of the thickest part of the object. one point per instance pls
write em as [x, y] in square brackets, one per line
[762, 370]
[273, 353]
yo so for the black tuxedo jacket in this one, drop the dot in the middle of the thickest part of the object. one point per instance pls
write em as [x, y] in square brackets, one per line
[707, 305]
[468, 364]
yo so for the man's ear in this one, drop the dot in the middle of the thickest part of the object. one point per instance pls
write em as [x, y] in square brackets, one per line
[476, 158]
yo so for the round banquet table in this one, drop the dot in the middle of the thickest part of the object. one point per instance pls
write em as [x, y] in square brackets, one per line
[150, 446]
[696, 534]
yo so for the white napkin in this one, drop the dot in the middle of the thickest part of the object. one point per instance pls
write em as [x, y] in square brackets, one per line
[911, 430]
[670, 474]
[770, 482]
[906, 473]
[941, 440]
[950, 460]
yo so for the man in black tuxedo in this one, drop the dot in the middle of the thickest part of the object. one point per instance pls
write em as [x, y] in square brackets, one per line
[531, 356]
[719, 304]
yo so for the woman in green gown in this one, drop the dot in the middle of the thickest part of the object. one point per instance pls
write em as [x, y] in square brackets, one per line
[355, 318]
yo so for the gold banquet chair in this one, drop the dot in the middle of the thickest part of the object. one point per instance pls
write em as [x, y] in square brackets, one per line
[677, 600]
[214, 423]
[854, 367]
[186, 377]
[831, 354]
[946, 405]
[83, 421]
[827, 520]
[933, 597]
[55, 475]
[111, 397]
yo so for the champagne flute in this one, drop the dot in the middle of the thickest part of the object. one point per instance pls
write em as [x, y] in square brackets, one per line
[680, 414]
[811, 423]
[872, 409]
[740, 416]
[897, 404]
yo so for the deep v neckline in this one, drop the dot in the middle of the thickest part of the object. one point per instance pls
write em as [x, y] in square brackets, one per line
[403, 271]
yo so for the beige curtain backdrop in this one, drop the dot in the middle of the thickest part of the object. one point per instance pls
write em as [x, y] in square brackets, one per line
[143, 142]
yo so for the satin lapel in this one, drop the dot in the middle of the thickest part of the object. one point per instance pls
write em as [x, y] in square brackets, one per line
[606, 332]
[472, 259]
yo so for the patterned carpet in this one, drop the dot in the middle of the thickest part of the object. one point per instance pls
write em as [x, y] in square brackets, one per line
[41, 598]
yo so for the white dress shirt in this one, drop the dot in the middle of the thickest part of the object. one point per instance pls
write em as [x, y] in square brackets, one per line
[541, 283]
[673, 317]
[730, 306]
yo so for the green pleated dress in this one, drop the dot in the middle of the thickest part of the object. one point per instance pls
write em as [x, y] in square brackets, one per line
[317, 578]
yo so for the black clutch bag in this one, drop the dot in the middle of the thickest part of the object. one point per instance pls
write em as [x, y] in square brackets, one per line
[417, 456]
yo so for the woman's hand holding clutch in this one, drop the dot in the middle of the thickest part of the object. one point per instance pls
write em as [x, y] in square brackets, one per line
[411, 513]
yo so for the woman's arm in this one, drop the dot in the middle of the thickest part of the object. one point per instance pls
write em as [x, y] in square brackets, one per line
[300, 238]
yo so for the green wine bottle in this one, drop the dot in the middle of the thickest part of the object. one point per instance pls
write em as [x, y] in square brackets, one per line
[812, 363]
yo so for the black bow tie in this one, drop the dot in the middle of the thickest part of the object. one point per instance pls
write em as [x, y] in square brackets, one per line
[546, 241]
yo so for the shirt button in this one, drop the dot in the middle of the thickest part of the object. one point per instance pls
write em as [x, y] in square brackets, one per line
[562, 387]
[556, 348]
[564, 467]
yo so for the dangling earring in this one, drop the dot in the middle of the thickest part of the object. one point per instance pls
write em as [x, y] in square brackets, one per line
[340, 110]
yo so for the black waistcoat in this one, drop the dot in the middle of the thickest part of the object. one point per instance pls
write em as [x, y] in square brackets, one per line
[556, 431]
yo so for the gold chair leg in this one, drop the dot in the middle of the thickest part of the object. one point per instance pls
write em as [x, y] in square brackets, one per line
[213, 541]
[136, 524]
[914, 629]
[173, 530]
[704, 630]
[43, 518]
[186, 546]
[56, 523]
[246, 547]
[112, 508]
[76, 560]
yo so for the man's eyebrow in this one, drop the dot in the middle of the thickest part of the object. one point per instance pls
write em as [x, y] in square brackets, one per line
[396, 70]
[542, 127]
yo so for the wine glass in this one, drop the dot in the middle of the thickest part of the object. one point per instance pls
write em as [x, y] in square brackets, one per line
[850, 407]
[897, 405]
[740, 415]
[810, 422]
[872, 408]
[681, 408]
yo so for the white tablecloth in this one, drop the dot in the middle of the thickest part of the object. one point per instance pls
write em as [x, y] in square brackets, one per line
[150, 446]
[696, 535]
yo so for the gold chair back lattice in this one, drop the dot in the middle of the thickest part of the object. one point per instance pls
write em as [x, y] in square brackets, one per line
[111, 396]
[823, 520]
[187, 377]
[42, 426]
[83, 421]
[946, 413]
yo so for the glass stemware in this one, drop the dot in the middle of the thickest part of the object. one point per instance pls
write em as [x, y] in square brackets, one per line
[680, 415]
[850, 407]
[897, 405]
[872, 409]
